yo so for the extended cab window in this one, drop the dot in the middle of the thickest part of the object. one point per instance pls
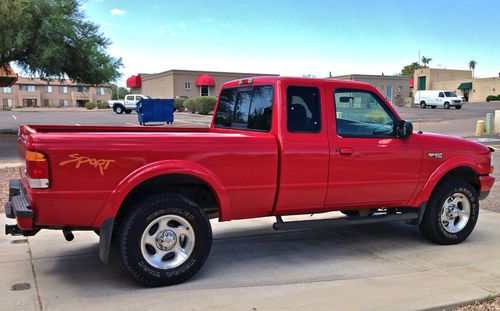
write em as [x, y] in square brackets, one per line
[303, 106]
[248, 108]
[362, 114]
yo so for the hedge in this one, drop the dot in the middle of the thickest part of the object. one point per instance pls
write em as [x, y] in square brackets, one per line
[89, 105]
[205, 104]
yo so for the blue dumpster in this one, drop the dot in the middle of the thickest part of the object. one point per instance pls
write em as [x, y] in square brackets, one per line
[155, 110]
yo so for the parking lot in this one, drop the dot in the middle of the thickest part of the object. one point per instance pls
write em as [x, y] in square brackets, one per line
[251, 267]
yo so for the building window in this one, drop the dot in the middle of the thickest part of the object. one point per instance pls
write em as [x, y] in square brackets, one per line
[7, 90]
[48, 89]
[29, 102]
[187, 85]
[46, 103]
[27, 88]
[101, 91]
[204, 91]
[63, 103]
[7, 103]
[81, 89]
[63, 89]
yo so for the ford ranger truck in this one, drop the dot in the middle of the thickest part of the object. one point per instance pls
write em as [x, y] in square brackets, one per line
[277, 146]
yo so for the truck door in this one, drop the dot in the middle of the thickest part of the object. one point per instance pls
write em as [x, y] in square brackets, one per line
[304, 151]
[369, 165]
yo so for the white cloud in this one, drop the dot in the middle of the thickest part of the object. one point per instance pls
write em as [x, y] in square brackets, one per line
[117, 12]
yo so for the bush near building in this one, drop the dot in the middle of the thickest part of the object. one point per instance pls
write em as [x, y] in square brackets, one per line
[179, 104]
[492, 97]
[89, 105]
[190, 105]
[205, 104]
[102, 105]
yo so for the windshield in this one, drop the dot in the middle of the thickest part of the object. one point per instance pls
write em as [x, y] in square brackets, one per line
[450, 94]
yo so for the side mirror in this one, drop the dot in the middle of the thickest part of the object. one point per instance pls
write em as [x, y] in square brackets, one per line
[404, 129]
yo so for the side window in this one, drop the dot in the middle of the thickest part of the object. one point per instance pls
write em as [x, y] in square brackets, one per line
[248, 108]
[362, 114]
[303, 107]
[138, 98]
[129, 97]
[441, 94]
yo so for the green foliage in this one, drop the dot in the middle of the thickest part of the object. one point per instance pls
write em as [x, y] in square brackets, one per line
[102, 105]
[89, 105]
[118, 92]
[409, 70]
[492, 97]
[190, 105]
[179, 103]
[52, 39]
[205, 104]
[426, 60]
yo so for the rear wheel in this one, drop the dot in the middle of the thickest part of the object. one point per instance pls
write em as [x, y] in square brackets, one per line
[423, 105]
[433, 107]
[118, 109]
[451, 213]
[164, 240]
[458, 106]
[128, 111]
[447, 105]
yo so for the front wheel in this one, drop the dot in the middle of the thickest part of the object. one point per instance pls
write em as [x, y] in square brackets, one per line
[451, 213]
[446, 105]
[128, 111]
[164, 240]
[423, 105]
[118, 109]
[458, 107]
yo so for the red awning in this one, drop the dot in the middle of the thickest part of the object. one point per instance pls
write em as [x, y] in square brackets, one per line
[205, 80]
[7, 76]
[412, 82]
[134, 82]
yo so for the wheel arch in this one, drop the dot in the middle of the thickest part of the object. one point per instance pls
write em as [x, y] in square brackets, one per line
[452, 169]
[162, 176]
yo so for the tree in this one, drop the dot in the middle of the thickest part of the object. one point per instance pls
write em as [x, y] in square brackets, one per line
[52, 39]
[409, 70]
[472, 66]
[426, 61]
[118, 92]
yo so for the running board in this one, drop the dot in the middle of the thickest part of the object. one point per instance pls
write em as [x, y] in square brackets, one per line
[344, 221]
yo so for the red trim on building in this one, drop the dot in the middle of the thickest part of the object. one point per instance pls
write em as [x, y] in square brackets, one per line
[412, 82]
[205, 80]
[134, 82]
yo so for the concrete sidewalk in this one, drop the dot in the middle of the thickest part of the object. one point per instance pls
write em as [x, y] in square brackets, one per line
[372, 267]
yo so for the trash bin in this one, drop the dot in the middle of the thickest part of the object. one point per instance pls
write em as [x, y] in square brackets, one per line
[155, 110]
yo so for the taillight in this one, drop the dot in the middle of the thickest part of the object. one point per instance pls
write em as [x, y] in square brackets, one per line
[246, 81]
[37, 170]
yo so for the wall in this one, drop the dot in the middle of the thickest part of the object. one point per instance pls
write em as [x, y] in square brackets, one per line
[158, 86]
[481, 88]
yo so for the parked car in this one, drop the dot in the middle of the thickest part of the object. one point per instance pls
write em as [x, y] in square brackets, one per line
[126, 105]
[438, 98]
[277, 146]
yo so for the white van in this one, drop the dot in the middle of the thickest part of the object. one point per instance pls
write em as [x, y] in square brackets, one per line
[438, 98]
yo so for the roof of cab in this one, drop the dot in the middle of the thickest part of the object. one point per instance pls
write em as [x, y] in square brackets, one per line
[273, 79]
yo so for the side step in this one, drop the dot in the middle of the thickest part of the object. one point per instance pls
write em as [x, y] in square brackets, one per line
[344, 221]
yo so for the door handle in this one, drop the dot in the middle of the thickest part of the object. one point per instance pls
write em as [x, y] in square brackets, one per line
[345, 150]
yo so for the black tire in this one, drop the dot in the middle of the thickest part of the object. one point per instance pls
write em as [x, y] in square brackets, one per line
[447, 105]
[458, 107]
[130, 237]
[423, 105]
[118, 109]
[128, 111]
[433, 107]
[432, 226]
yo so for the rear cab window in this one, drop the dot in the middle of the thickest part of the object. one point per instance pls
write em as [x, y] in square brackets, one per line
[245, 108]
[303, 109]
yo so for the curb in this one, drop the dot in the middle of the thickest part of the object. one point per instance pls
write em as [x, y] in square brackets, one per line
[11, 164]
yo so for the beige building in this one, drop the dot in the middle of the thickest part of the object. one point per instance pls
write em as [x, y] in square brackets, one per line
[183, 83]
[28, 92]
[460, 81]
[395, 88]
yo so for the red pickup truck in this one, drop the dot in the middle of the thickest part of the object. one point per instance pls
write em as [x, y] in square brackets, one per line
[277, 146]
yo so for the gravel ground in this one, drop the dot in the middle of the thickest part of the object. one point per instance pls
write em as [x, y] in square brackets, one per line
[492, 304]
[6, 174]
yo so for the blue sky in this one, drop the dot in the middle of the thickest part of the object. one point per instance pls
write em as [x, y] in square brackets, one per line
[299, 37]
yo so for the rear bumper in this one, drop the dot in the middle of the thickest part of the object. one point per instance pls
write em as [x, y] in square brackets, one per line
[18, 206]
[486, 185]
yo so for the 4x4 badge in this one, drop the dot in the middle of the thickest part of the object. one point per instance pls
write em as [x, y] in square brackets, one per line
[436, 155]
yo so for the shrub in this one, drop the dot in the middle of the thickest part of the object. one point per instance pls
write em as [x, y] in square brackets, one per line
[190, 105]
[491, 97]
[179, 104]
[205, 104]
[89, 105]
[102, 106]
